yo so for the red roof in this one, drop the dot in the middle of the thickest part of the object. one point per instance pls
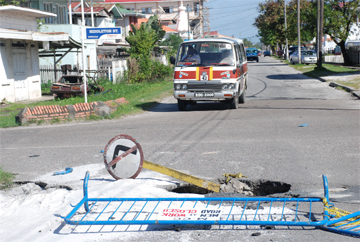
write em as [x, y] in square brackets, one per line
[75, 4]
[212, 33]
[168, 29]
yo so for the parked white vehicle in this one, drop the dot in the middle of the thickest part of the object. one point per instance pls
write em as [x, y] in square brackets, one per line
[210, 70]
[307, 57]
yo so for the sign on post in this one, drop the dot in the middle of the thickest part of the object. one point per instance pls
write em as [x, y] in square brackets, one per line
[104, 33]
[123, 157]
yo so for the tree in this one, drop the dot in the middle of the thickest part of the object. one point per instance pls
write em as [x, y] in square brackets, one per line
[11, 2]
[173, 41]
[247, 43]
[270, 22]
[308, 21]
[339, 15]
[142, 41]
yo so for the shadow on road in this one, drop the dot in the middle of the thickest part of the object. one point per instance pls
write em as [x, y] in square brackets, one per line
[287, 77]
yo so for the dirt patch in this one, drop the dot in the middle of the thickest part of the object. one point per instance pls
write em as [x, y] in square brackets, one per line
[240, 186]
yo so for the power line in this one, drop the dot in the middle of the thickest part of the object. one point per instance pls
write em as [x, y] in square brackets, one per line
[234, 21]
[232, 7]
[226, 14]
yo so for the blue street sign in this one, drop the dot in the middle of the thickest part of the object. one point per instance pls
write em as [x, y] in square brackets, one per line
[96, 33]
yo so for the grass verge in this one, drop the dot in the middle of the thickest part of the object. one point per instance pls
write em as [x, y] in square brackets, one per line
[5, 179]
[141, 96]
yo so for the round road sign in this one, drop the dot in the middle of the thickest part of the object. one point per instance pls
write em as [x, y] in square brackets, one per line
[123, 157]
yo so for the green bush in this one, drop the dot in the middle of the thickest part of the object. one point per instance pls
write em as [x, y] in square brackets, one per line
[160, 71]
[5, 179]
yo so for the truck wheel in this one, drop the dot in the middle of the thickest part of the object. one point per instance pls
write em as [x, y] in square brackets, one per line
[257, 60]
[234, 103]
[182, 105]
[242, 97]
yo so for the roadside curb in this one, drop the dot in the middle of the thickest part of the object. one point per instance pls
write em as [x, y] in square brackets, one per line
[354, 92]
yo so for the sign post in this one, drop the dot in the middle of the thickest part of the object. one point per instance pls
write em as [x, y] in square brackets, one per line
[124, 158]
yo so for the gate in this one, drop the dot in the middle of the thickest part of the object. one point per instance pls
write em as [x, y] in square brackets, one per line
[204, 211]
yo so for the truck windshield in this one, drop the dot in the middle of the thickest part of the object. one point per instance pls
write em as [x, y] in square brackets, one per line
[206, 54]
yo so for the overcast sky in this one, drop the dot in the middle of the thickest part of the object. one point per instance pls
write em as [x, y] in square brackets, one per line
[234, 18]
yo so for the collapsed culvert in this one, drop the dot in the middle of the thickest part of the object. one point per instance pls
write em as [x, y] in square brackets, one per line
[189, 188]
[235, 186]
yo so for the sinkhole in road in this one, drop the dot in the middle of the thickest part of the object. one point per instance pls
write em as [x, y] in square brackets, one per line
[239, 186]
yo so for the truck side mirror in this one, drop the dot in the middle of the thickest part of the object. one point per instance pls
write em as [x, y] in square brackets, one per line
[172, 60]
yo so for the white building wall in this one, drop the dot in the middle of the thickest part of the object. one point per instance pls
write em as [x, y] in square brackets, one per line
[155, 6]
[6, 72]
[34, 82]
[31, 72]
[13, 21]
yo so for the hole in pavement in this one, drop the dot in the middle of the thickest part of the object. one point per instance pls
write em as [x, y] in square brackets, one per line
[189, 188]
[240, 186]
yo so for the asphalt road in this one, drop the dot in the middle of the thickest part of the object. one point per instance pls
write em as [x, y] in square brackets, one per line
[262, 139]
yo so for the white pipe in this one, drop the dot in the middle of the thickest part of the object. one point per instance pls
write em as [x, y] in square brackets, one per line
[70, 12]
[92, 14]
[83, 48]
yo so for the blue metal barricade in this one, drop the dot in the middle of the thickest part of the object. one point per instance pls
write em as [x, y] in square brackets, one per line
[203, 211]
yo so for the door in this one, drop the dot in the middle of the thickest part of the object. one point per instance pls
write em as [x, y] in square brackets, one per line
[20, 78]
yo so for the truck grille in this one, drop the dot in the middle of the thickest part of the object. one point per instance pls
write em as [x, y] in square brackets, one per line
[204, 86]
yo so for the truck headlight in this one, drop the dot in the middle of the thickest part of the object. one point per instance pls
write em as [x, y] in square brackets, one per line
[180, 86]
[226, 86]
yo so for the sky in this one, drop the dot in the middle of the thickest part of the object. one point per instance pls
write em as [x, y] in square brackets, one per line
[234, 18]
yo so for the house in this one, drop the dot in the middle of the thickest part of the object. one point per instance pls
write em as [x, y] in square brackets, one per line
[58, 7]
[168, 31]
[167, 10]
[19, 51]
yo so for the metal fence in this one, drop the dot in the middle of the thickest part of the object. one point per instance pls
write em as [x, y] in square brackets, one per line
[354, 54]
[47, 73]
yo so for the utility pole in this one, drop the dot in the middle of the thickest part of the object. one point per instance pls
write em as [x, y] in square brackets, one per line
[188, 18]
[298, 23]
[206, 21]
[201, 17]
[287, 47]
[320, 10]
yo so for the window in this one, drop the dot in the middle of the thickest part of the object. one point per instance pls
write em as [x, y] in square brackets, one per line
[48, 7]
[169, 9]
[61, 14]
[243, 52]
[146, 10]
[188, 8]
